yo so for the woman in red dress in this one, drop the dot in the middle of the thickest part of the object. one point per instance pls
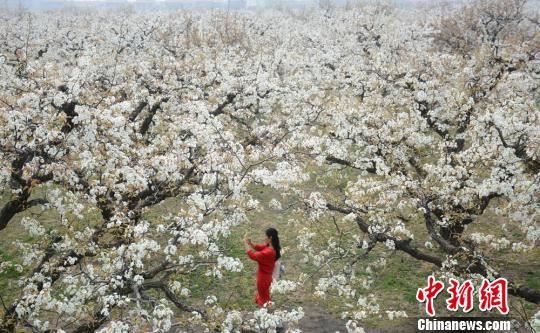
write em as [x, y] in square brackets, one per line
[265, 255]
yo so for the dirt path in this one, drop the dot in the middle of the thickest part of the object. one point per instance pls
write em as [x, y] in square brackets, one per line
[317, 320]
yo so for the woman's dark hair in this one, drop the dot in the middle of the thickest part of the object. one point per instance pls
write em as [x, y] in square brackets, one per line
[271, 232]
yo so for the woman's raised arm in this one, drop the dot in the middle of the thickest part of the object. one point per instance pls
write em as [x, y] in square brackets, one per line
[257, 256]
[258, 247]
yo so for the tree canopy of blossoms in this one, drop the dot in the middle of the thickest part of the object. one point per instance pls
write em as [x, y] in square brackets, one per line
[105, 117]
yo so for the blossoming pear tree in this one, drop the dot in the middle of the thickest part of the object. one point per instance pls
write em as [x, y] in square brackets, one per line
[102, 124]
[429, 118]
[437, 131]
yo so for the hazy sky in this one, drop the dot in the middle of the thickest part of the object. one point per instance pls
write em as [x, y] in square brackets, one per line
[175, 4]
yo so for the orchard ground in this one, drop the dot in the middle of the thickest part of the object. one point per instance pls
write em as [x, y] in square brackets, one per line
[395, 286]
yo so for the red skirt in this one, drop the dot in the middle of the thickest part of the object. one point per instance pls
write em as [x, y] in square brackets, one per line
[263, 289]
